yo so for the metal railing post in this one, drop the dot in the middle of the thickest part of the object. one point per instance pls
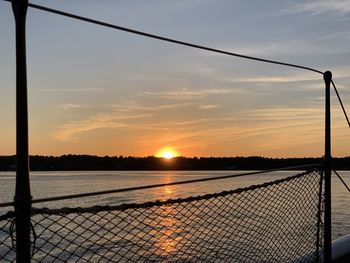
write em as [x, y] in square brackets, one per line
[328, 171]
[22, 195]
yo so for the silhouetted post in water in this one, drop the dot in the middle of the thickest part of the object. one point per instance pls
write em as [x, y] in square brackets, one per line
[328, 171]
[22, 195]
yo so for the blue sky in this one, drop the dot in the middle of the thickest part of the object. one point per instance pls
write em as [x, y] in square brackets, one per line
[99, 91]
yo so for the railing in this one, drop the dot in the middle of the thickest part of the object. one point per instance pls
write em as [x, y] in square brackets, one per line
[278, 221]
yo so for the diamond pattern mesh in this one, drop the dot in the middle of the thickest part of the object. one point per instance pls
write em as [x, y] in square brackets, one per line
[278, 221]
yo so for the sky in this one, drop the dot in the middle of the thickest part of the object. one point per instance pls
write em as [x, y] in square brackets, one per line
[94, 90]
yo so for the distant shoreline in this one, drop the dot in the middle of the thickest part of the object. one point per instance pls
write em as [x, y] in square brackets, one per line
[122, 163]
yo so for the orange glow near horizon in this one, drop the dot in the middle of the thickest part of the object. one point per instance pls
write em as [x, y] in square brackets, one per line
[167, 153]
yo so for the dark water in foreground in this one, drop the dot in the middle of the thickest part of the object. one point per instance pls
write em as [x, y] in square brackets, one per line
[47, 184]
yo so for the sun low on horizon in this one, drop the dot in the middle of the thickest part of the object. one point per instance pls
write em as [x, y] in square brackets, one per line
[167, 153]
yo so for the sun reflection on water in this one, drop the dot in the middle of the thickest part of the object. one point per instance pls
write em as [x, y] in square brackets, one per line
[169, 230]
[168, 190]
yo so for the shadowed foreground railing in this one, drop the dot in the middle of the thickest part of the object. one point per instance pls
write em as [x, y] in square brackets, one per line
[278, 221]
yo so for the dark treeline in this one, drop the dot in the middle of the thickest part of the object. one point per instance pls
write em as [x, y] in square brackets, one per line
[89, 162]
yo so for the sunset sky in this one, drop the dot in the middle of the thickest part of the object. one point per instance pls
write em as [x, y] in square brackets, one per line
[94, 90]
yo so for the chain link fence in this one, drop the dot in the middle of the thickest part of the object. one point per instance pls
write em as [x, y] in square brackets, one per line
[279, 221]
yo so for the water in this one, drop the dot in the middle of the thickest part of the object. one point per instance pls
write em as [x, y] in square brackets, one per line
[47, 184]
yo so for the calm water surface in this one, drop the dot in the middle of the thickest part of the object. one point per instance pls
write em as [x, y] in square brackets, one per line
[47, 184]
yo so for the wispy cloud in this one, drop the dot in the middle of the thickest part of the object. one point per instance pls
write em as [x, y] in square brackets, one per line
[253, 132]
[289, 48]
[193, 122]
[122, 114]
[186, 94]
[126, 105]
[317, 7]
[71, 130]
[72, 107]
[71, 89]
[287, 114]
[207, 107]
[182, 94]
[281, 79]
[240, 138]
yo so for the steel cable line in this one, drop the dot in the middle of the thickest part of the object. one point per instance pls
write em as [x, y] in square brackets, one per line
[183, 43]
[341, 179]
[341, 103]
[166, 39]
[143, 187]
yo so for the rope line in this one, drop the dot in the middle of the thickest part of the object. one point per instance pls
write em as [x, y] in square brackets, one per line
[341, 103]
[12, 232]
[8, 215]
[143, 187]
[319, 217]
[129, 189]
[123, 207]
[183, 43]
[7, 204]
[341, 179]
[166, 39]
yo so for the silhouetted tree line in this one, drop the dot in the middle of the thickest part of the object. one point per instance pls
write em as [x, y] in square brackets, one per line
[90, 162]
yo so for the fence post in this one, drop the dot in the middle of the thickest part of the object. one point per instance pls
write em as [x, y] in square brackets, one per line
[22, 195]
[328, 171]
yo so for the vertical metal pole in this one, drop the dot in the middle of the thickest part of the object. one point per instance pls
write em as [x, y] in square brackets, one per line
[22, 194]
[328, 171]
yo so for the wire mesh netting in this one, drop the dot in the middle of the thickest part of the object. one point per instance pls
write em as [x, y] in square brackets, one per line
[279, 221]
[7, 250]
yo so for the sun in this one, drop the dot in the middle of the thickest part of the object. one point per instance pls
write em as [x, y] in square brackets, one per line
[167, 153]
